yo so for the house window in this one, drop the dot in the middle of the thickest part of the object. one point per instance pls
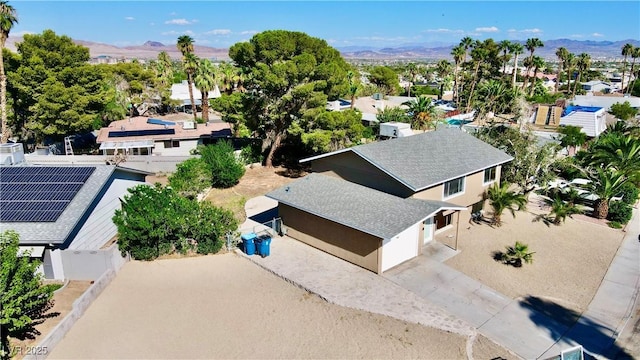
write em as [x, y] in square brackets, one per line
[171, 144]
[489, 175]
[454, 187]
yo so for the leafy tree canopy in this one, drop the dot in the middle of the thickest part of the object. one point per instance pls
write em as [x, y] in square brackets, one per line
[385, 78]
[332, 130]
[623, 111]
[225, 167]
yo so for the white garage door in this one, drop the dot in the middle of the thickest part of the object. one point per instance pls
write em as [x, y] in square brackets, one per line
[400, 248]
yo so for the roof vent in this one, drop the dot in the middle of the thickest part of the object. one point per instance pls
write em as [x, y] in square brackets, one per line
[188, 125]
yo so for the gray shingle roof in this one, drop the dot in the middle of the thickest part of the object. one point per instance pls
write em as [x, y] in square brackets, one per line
[57, 232]
[424, 160]
[356, 206]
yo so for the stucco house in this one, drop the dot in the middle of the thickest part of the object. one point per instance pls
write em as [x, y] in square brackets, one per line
[419, 183]
[63, 215]
[592, 119]
[147, 136]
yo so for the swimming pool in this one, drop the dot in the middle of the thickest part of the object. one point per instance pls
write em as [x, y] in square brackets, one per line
[457, 122]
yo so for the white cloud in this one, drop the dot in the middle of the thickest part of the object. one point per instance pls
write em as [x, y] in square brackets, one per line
[21, 33]
[531, 31]
[129, 18]
[248, 32]
[381, 38]
[576, 36]
[180, 22]
[173, 32]
[487, 29]
[512, 30]
[597, 35]
[219, 32]
[444, 31]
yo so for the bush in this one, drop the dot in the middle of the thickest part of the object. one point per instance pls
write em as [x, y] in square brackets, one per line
[226, 168]
[629, 193]
[155, 221]
[620, 212]
[615, 225]
[192, 176]
[251, 154]
[567, 168]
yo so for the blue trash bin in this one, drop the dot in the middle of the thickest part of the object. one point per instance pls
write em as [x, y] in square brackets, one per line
[248, 243]
[258, 242]
[264, 246]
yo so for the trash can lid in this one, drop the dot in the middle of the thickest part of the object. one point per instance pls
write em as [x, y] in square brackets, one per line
[248, 236]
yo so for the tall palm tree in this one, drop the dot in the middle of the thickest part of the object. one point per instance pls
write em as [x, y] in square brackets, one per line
[516, 49]
[627, 49]
[501, 199]
[412, 70]
[230, 77]
[185, 45]
[8, 18]
[583, 62]
[424, 114]
[537, 63]
[353, 87]
[572, 137]
[164, 68]
[532, 44]
[443, 69]
[466, 43]
[478, 56]
[569, 65]
[634, 55]
[561, 53]
[605, 183]
[491, 97]
[458, 56]
[204, 80]
[505, 46]
[616, 150]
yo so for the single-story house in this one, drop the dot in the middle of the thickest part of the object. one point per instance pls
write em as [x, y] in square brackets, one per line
[146, 136]
[63, 215]
[605, 101]
[597, 85]
[180, 92]
[366, 227]
[591, 119]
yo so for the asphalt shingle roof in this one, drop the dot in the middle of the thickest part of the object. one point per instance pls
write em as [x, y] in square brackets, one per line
[424, 160]
[57, 232]
[359, 207]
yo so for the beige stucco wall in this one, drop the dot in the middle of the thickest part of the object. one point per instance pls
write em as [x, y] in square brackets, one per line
[351, 167]
[344, 242]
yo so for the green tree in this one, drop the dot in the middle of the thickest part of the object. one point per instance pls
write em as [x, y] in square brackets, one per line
[504, 46]
[572, 137]
[492, 97]
[189, 62]
[627, 49]
[353, 87]
[385, 78]
[501, 199]
[561, 209]
[634, 55]
[191, 177]
[393, 114]
[516, 254]
[458, 57]
[621, 152]
[412, 71]
[583, 63]
[532, 44]
[623, 111]
[424, 114]
[290, 77]
[605, 183]
[8, 18]
[561, 53]
[25, 300]
[205, 81]
[537, 63]
[479, 55]
[516, 49]
[570, 64]
[331, 131]
[226, 168]
[443, 69]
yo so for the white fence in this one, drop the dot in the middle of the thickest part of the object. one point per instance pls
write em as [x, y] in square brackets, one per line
[91, 264]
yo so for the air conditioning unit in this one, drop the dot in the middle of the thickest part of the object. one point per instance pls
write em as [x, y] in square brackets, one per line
[188, 125]
[11, 154]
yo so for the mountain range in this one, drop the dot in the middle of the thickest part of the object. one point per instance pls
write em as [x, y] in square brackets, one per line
[150, 49]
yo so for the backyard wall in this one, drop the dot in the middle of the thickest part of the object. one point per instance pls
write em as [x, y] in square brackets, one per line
[91, 264]
[150, 163]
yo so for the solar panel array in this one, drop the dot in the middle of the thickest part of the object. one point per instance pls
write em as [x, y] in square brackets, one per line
[39, 194]
[149, 132]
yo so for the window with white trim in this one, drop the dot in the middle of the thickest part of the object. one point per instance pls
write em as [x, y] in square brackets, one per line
[454, 187]
[489, 175]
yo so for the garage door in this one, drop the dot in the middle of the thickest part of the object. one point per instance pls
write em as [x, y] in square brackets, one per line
[400, 248]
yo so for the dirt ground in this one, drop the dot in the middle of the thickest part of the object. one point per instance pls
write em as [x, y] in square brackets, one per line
[63, 303]
[569, 262]
[225, 307]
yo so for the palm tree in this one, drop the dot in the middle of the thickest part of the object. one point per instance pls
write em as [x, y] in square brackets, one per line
[502, 199]
[627, 50]
[478, 55]
[561, 209]
[424, 114]
[466, 43]
[204, 80]
[185, 45]
[569, 64]
[531, 45]
[458, 53]
[621, 152]
[516, 49]
[230, 78]
[412, 70]
[572, 137]
[516, 254]
[634, 55]
[605, 183]
[491, 97]
[583, 63]
[353, 88]
[561, 53]
[504, 46]
[164, 68]
[537, 63]
[8, 18]
[443, 69]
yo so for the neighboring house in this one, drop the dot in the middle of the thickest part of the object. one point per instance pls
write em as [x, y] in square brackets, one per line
[592, 120]
[180, 92]
[146, 136]
[338, 105]
[63, 215]
[446, 171]
[597, 85]
[605, 101]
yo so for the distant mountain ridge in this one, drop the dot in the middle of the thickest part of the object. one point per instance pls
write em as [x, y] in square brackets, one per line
[437, 50]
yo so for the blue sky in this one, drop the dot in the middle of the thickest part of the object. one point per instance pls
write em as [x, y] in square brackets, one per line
[352, 23]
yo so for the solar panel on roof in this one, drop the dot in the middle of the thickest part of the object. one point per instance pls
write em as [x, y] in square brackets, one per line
[150, 132]
[39, 194]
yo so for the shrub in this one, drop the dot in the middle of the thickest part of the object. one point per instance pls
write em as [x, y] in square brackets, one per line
[629, 193]
[619, 211]
[252, 154]
[615, 225]
[226, 168]
[567, 168]
[516, 254]
[192, 176]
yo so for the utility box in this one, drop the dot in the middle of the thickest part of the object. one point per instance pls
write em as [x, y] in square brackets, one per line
[395, 129]
[11, 154]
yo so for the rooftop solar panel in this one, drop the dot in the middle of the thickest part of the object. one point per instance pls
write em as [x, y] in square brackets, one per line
[39, 194]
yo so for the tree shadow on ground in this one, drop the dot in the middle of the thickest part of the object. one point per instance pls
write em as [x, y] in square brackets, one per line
[292, 173]
[568, 324]
[544, 218]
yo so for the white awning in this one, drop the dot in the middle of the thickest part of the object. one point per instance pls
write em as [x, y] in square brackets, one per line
[108, 145]
[34, 251]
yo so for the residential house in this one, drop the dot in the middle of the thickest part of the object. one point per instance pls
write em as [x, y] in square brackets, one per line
[598, 85]
[592, 120]
[387, 199]
[146, 136]
[63, 215]
[605, 101]
[180, 92]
